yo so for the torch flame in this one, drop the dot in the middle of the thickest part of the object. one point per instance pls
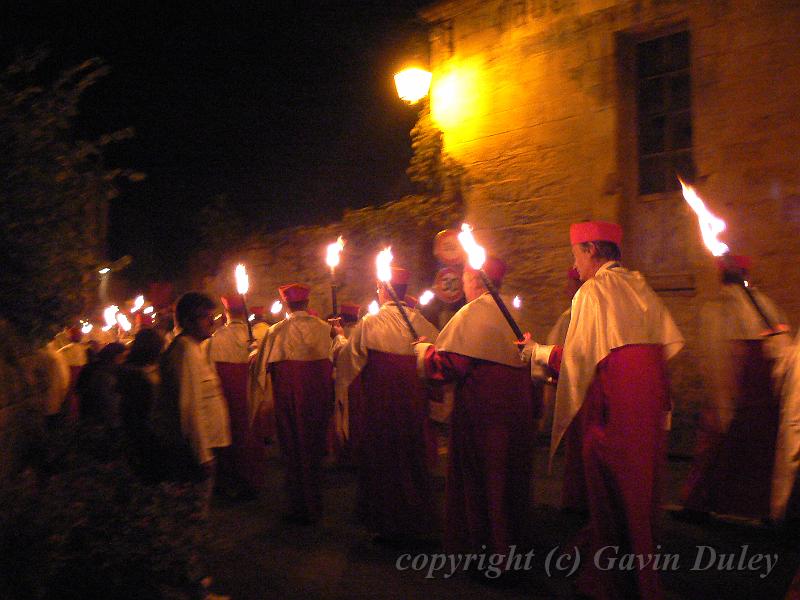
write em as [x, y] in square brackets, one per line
[373, 307]
[277, 307]
[138, 303]
[122, 319]
[334, 250]
[87, 328]
[710, 226]
[148, 310]
[109, 314]
[426, 297]
[517, 302]
[242, 280]
[384, 264]
[475, 253]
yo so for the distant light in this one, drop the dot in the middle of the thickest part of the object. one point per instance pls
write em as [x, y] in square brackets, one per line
[122, 319]
[148, 310]
[517, 302]
[218, 317]
[373, 307]
[412, 84]
[104, 270]
[109, 315]
[87, 328]
[277, 307]
[251, 318]
[426, 297]
[746, 283]
[138, 303]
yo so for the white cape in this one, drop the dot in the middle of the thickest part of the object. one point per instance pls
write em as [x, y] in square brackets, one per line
[615, 308]
[480, 331]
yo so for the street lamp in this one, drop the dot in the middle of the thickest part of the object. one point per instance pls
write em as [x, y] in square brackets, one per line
[412, 84]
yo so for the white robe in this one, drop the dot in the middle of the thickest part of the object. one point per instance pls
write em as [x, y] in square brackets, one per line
[203, 411]
[480, 331]
[731, 316]
[787, 447]
[229, 344]
[299, 336]
[614, 308]
[385, 331]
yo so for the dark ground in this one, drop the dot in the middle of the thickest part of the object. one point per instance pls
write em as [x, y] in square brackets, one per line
[256, 555]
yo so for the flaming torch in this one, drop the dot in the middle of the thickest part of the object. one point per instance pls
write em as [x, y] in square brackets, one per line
[137, 303]
[710, 227]
[332, 259]
[384, 264]
[477, 256]
[242, 285]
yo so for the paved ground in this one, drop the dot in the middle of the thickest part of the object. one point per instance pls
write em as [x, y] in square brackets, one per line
[255, 555]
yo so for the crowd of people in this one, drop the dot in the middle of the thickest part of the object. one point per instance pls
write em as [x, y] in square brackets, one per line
[201, 406]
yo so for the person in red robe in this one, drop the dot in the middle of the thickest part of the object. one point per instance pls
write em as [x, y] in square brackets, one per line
[395, 492]
[613, 366]
[734, 458]
[294, 368]
[492, 424]
[242, 465]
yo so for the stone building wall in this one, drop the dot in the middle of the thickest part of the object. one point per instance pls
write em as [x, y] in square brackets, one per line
[534, 101]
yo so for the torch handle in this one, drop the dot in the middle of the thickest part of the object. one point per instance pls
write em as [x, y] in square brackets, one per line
[250, 337]
[402, 310]
[334, 303]
[750, 296]
[758, 308]
[501, 305]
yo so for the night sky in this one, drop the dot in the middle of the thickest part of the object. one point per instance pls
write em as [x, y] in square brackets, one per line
[288, 108]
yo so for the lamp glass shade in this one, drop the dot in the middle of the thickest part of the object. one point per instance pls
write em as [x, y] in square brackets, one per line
[412, 84]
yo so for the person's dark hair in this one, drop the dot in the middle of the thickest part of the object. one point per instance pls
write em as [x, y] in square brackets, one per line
[400, 289]
[110, 352]
[188, 305]
[734, 275]
[300, 305]
[607, 250]
[146, 348]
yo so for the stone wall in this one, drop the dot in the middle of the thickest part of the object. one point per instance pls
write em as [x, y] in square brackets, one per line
[298, 255]
[533, 103]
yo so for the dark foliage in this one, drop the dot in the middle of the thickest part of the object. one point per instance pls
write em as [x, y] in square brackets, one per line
[54, 193]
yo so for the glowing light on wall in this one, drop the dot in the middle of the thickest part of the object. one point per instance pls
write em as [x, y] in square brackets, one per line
[459, 97]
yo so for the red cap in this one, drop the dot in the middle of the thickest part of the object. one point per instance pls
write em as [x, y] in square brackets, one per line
[595, 231]
[400, 276]
[734, 261]
[294, 292]
[573, 274]
[143, 320]
[233, 303]
[411, 301]
[494, 268]
[349, 310]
